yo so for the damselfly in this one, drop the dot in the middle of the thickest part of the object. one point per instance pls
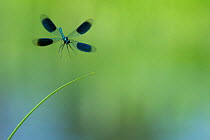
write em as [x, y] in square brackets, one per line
[67, 41]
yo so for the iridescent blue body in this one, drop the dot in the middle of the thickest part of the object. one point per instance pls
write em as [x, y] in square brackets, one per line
[65, 39]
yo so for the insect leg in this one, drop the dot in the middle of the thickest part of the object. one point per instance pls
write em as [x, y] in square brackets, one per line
[72, 48]
[61, 49]
[67, 46]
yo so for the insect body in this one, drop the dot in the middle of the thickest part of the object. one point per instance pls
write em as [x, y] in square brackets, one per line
[70, 43]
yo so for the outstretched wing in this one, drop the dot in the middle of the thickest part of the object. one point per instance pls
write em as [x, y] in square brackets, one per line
[82, 29]
[82, 46]
[45, 41]
[49, 25]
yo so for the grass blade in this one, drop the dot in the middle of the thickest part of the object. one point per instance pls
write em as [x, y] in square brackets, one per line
[42, 101]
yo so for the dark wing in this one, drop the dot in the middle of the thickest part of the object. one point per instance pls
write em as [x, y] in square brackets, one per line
[82, 46]
[82, 29]
[45, 41]
[49, 25]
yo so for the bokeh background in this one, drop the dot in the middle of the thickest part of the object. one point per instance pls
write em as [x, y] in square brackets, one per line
[152, 65]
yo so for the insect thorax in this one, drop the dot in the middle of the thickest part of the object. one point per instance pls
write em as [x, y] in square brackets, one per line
[66, 40]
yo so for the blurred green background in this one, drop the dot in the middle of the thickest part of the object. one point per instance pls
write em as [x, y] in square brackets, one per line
[152, 65]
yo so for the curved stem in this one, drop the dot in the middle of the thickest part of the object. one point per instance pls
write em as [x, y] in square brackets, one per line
[47, 97]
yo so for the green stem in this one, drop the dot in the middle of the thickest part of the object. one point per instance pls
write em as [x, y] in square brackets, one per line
[48, 96]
